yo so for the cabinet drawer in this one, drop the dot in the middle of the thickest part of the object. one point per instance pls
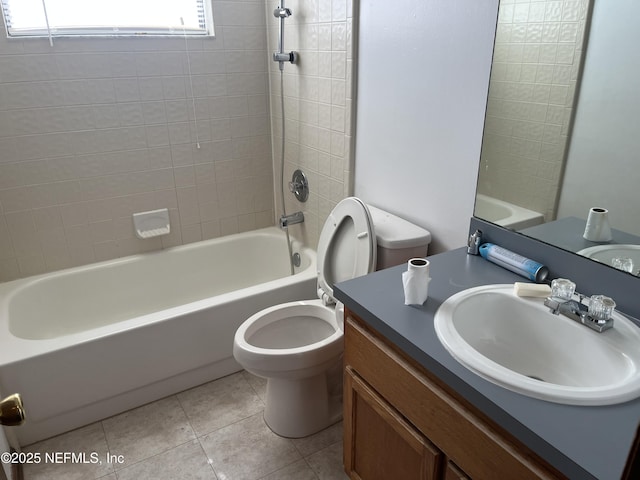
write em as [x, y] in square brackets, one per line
[470, 442]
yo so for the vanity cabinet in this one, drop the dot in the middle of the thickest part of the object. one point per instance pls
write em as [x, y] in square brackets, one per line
[401, 422]
[452, 472]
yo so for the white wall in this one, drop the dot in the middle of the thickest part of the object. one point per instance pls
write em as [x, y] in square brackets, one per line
[423, 73]
[605, 131]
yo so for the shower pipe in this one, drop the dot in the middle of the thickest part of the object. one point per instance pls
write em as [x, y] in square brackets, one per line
[281, 13]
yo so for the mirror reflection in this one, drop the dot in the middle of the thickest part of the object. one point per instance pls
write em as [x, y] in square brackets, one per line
[560, 139]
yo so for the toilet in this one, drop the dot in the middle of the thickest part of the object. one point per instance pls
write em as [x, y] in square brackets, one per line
[297, 346]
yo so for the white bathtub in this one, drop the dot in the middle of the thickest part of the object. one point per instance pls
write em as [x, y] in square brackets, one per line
[506, 214]
[89, 342]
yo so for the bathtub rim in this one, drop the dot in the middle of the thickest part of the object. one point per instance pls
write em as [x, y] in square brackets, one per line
[15, 349]
[519, 218]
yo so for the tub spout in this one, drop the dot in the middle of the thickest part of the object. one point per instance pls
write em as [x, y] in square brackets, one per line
[292, 219]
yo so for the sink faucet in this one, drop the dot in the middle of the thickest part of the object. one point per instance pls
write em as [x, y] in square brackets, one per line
[292, 219]
[596, 316]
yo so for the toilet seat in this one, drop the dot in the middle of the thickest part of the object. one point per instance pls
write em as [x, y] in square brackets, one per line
[346, 248]
[290, 360]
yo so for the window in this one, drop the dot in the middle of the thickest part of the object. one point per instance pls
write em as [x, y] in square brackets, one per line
[36, 18]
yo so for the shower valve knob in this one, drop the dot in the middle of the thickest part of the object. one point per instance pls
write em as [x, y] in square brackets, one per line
[299, 186]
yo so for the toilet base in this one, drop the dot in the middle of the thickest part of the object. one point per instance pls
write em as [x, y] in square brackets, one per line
[299, 408]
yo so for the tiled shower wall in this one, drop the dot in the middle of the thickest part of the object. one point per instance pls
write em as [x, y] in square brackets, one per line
[318, 97]
[93, 130]
[533, 80]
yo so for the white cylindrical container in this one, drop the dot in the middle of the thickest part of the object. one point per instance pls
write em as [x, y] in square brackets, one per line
[598, 228]
[416, 281]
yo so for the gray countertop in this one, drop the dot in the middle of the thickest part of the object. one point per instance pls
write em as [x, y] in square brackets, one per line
[581, 442]
[567, 233]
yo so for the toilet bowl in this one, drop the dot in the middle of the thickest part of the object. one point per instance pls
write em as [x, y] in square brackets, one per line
[297, 346]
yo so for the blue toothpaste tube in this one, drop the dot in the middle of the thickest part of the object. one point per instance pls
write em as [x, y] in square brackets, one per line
[512, 261]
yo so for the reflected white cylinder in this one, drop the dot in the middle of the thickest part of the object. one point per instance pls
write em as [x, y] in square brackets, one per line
[598, 228]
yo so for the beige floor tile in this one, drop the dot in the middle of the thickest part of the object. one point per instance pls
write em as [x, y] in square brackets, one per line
[327, 463]
[148, 430]
[220, 403]
[157, 441]
[89, 440]
[299, 470]
[248, 450]
[182, 462]
[314, 443]
[259, 384]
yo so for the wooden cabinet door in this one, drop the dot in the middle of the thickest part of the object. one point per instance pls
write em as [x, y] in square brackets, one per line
[379, 443]
[452, 472]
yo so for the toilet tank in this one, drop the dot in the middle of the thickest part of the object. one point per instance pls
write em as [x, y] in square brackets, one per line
[398, 240]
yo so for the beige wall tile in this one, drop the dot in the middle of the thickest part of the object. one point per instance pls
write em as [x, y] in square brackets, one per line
[94, 130]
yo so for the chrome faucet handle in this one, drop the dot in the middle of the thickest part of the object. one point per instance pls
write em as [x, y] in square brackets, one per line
[293, 186]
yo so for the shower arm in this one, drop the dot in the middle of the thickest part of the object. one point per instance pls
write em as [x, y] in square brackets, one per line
[281, 56]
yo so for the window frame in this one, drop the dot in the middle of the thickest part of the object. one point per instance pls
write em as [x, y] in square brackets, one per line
[111, 32]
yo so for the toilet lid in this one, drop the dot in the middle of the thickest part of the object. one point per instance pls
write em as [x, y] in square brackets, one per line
[347, 246]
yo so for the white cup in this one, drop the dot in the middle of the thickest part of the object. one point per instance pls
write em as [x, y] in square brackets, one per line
[597, 228]
[416, 281]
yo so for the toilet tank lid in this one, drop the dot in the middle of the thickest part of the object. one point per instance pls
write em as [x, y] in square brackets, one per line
[395, 232]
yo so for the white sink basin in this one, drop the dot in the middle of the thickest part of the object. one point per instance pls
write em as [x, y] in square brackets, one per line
[519, 344]
[606, 254]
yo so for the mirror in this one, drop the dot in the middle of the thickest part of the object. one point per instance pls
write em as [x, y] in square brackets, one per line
[560, 131]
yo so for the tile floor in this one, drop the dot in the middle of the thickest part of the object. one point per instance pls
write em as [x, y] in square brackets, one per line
[213, 432]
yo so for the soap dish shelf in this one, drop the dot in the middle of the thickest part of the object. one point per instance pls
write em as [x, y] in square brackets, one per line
[153, 223]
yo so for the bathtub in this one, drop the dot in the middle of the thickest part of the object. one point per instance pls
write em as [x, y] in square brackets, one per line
[89, 342]
[506, 214]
